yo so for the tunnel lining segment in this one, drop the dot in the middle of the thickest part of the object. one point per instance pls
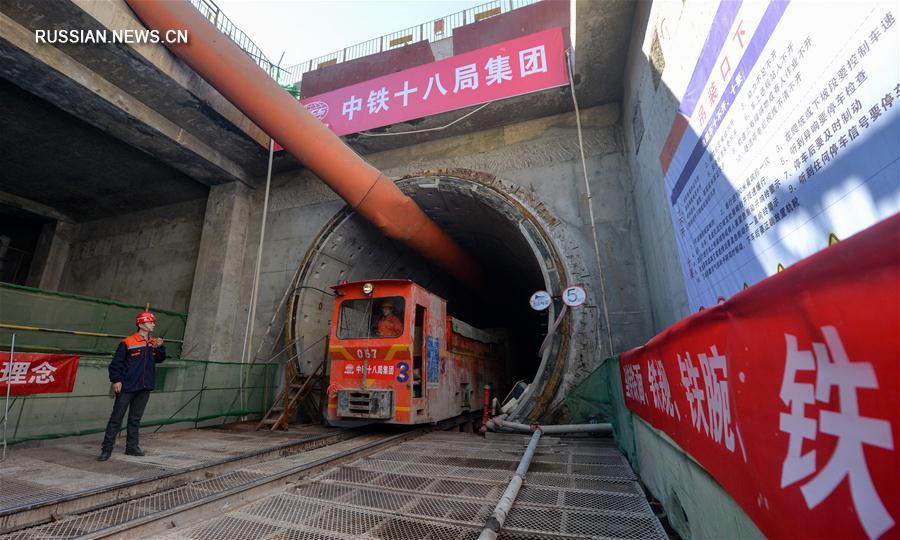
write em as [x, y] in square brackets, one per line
[445, 195]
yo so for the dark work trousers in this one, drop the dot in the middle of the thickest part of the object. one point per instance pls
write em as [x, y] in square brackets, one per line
[135, 402]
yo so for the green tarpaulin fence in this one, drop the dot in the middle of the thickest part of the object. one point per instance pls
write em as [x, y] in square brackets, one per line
[599, 398]
[187, 390]
[27, 306]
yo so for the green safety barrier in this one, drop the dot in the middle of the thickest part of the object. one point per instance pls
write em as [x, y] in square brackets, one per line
[187, 390]
[27, 306]
[599, 398]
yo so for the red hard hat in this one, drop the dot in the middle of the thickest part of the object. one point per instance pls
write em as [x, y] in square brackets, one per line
[145, 317]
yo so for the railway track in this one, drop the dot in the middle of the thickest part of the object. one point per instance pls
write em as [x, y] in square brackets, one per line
[444, 486]
[27, 509]
[140, 510]
[423, 483]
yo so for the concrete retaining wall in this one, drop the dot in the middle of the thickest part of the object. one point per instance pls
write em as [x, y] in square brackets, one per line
[664, 42]
[650, 107]
[146, 256]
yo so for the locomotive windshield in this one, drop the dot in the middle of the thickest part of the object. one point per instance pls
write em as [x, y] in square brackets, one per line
[371, 318]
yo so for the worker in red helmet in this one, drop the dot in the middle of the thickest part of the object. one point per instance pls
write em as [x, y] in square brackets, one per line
[133, 375]
[389, 325]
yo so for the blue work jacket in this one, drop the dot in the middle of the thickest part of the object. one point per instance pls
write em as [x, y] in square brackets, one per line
[134, 364]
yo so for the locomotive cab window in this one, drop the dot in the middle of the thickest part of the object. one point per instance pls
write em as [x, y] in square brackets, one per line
[372, 318]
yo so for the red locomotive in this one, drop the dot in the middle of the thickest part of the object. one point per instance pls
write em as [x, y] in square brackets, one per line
[420, 365]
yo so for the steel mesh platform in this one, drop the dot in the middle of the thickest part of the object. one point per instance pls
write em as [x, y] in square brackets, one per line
[445, 486]
[135, 509]
[48, 475]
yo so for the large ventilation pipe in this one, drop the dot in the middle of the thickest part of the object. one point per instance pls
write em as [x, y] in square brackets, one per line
[374, 196]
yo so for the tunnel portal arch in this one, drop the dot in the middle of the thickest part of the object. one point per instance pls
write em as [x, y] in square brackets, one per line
[521, 245]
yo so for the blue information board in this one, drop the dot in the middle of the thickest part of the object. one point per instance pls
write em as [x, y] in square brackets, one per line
[432, 360]
[786, 140]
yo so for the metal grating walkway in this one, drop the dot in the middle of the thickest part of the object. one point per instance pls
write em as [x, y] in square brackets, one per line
[131, 511]
[33, 477]
[444, 486]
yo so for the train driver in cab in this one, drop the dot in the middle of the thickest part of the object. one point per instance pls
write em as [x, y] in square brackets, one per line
[388, 325]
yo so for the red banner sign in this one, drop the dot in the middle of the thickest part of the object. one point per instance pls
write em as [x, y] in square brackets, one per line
[789, 392]
[31, 373]
[376, 369]
[512, 68]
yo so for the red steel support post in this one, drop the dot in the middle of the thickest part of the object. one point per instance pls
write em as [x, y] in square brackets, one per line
[487, 404]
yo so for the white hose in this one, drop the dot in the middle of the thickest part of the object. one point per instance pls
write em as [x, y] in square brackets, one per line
[495, 522]
[494, 423]
[499, 422]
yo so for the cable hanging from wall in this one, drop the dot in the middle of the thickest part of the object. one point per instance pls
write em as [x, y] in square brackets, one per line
[426, 130]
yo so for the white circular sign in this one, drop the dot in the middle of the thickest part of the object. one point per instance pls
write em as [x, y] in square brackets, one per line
[574, 296]
[540, 300]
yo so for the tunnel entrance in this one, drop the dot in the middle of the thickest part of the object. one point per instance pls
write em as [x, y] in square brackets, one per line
[499, 225]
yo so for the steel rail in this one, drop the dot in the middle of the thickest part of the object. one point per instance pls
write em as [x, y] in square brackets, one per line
[253, 490]
[96, 498]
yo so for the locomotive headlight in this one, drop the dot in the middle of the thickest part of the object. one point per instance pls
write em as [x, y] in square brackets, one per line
[368, 288]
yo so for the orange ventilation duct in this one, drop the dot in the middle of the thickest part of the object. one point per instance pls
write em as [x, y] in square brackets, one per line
[374, 196]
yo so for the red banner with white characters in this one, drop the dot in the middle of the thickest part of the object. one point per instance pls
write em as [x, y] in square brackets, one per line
[789, 392]
[32, 373]
[376, 369]
[512, 68]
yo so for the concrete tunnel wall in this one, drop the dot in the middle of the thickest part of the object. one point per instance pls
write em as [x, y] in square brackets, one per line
[146, 256]
[661, 57]
[538, 158]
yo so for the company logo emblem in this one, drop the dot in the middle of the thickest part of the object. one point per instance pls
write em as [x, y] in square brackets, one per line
[318, 109]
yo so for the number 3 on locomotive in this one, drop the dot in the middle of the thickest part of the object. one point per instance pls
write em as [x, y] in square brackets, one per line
[403, 368]
[366, 353]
